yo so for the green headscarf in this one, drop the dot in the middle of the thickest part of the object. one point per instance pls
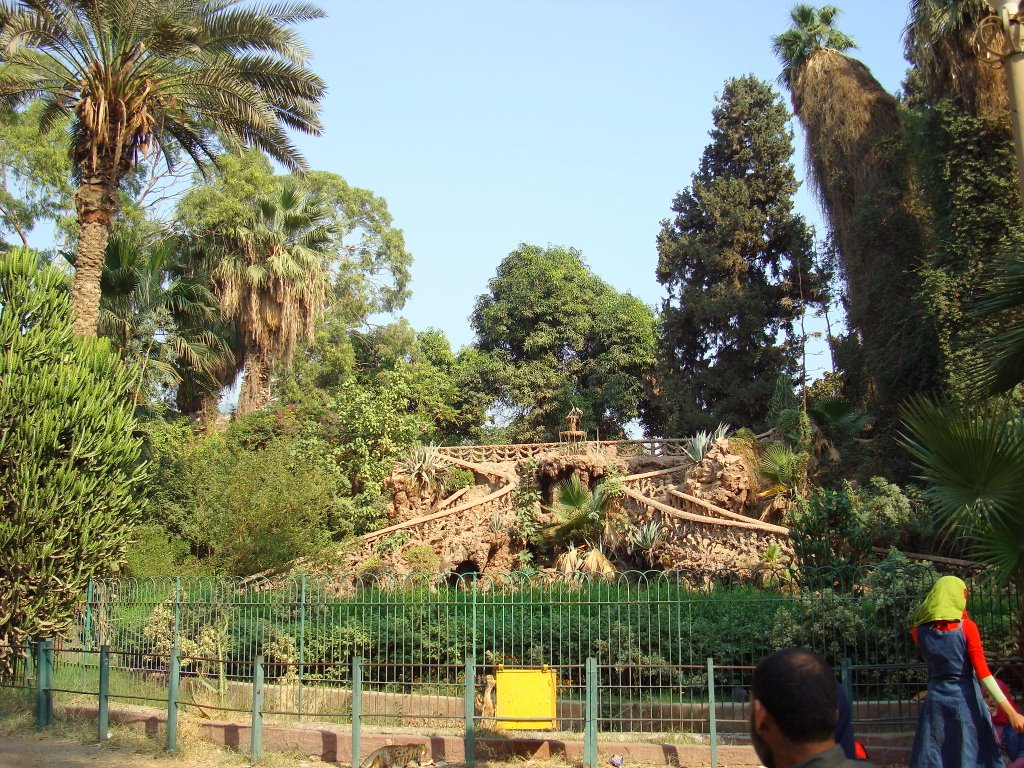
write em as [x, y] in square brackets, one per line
[946, 602]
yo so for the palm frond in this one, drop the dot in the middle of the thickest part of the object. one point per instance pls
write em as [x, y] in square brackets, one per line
[972, 462]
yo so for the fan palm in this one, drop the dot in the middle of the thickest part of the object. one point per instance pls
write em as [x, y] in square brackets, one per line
[155, 316]
[860, 171]
[811, 30]
[585, 514]
[272, 276]
[939, 41]
[144, 78]
[973, 466]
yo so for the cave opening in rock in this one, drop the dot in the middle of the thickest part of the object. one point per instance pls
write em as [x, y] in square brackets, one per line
[465, 572]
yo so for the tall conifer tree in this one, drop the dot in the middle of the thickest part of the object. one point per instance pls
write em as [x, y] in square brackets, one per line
[736, 262]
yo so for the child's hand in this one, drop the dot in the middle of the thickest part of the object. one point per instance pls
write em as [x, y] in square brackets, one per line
[1017, 722]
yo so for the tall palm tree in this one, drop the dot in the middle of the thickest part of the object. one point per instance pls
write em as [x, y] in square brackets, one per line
[143, 78]
[273, 278]
[155, 316]
[861, 172]
[939, 41]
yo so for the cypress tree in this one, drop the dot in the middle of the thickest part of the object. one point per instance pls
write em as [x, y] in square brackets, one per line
[736, 262]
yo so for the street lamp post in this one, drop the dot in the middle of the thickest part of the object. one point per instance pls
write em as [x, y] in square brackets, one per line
[1000, 40]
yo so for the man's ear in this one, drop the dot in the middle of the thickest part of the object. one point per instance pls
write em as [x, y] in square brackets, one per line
[759, 715]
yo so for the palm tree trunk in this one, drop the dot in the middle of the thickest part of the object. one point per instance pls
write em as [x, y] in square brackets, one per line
[255, 393]
[96, 205]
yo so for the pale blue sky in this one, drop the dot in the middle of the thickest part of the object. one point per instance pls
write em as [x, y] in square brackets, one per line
[567, 122]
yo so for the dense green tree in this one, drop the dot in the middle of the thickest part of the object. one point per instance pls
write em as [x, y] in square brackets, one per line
[36, 181]
[561, 337]
[861, 172]
[70, 478]
[147, 77]
[736, 262]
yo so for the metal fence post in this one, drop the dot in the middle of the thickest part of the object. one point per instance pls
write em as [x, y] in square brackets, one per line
[256, 744]
[357, 708]
[302, 638]
[470, 710]
[846, 674]
[590, 714]
[177, 611]
[30, 662]
[104, 703]
[712, 714]
[173, 680]
[44, 683]
[87, 630]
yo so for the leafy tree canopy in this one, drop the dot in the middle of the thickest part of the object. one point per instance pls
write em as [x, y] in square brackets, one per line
[563, 337]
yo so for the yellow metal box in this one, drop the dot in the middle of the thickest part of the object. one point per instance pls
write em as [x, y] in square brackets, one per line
[525, 699]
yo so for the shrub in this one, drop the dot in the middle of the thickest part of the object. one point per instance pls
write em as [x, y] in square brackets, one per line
[422, 559]
[155, 551]
[828, 537]
[70, 478]
[886, 513]
[457, 478]
[255, 510]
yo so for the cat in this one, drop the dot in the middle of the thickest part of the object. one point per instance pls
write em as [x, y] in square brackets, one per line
[399, 756]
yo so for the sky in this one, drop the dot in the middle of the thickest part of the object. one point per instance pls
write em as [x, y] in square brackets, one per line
[485, 124]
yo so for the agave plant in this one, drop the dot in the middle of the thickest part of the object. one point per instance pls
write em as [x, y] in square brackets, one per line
[699, 445]
[423, 465]
[645, 539]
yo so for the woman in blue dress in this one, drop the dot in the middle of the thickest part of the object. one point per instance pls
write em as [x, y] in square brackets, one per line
[955, 729]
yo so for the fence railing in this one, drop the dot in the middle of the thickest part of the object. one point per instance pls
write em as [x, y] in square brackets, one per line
[519, 451]
[645, 653]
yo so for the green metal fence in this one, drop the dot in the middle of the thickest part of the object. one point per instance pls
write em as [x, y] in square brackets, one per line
[418, 652]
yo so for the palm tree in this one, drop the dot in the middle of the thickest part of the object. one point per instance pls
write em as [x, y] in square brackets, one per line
[154, 315]
[585, 514]
[1000, 365]
[973, 467]
[811, 30]
[273, 278]
[861, 173]
[140, 79]
[939, 42]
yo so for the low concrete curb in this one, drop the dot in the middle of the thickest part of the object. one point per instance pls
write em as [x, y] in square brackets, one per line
[334, 743]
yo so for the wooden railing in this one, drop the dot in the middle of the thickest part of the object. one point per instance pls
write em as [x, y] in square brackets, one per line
[498, 500]
[516, 452]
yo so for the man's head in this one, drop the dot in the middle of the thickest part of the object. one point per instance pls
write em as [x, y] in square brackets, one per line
[793, 703]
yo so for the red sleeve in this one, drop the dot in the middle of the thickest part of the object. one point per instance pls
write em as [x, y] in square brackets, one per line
[974, 650]
[913, 634]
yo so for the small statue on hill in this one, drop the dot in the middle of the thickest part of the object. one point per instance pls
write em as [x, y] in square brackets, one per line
[573, 419]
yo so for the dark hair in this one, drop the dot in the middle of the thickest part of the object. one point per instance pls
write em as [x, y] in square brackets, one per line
[799, 690]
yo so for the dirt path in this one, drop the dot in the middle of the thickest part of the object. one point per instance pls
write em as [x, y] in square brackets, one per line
[31, 751]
